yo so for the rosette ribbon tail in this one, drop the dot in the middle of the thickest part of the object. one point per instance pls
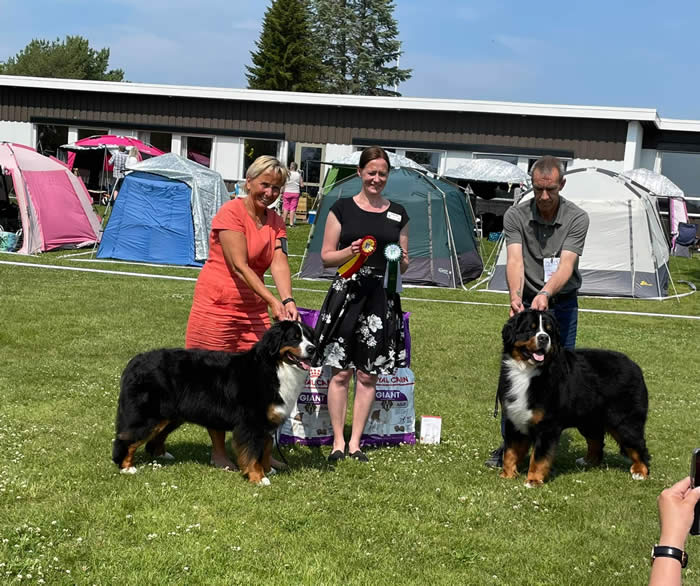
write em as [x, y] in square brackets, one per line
[367, 247]
[392, 276]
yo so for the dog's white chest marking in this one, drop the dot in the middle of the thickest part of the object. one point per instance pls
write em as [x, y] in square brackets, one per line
[291, 384]
[519, 375]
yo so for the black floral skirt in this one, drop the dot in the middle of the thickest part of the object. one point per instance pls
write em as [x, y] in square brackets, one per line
[360, 326]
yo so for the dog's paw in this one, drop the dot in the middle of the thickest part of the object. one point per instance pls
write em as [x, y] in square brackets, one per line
[265, 481]
[582, 462]
[638, 476]
[129, 470]
[166, 456]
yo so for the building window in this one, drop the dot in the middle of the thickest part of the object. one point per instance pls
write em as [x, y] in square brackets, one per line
[49, 137]
[88, 132]
[161, 140]
[428, 159]
[254, 148]
[684, 170]
[198, 149]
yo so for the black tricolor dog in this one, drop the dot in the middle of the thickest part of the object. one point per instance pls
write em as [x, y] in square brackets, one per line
[544, 389]
[251, 393]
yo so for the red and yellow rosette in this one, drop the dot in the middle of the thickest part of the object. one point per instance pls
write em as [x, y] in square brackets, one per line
[367, 247]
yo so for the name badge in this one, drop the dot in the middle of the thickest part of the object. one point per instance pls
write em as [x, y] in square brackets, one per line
[550, 267]
[393, 216]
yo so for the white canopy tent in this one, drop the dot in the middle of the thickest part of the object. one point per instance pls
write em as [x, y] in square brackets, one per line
[626, 252]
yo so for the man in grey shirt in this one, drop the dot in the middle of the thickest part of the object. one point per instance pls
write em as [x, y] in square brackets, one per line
[544, 239]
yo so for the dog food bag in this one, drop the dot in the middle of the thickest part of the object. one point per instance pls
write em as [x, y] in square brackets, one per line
[392, 418]
[309, 423]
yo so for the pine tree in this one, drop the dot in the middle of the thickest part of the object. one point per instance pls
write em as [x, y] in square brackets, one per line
[286, 58]
[70, 59]
[357, 39]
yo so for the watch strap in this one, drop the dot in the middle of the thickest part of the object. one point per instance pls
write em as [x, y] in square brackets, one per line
[666, 551]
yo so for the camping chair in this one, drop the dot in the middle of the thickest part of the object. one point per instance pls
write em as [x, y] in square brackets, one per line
[687, 237]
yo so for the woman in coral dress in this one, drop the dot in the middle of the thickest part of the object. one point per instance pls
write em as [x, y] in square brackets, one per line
[230, 306]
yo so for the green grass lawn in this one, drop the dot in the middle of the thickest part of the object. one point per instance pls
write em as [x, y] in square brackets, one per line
[414, 515]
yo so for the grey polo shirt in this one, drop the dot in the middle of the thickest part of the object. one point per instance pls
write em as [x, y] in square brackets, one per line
[522, 224]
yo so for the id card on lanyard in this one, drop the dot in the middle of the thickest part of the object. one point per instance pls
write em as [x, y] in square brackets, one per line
[550, 265]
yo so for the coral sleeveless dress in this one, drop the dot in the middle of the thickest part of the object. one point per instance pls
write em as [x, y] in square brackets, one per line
[226, 314]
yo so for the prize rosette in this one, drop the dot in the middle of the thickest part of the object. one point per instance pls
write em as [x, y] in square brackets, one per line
[367, 247]
[392, 277]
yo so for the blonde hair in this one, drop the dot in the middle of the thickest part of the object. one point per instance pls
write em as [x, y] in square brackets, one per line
[265, 163]
[134, 152]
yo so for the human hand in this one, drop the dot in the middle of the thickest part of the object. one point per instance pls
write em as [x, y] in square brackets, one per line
[279, 313]
[516, 306]
[540, 303]
[292, 311]
[676, 512]
[356, 246]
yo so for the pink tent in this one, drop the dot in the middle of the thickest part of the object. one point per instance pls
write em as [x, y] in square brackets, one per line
[55, 209]
[109, 142]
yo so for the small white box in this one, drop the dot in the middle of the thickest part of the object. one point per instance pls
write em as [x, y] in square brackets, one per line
[430, 427]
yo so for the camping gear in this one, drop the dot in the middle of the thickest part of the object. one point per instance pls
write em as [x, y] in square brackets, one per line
[626, 252]
[54, 208]
[441, 246]
[91, 156]
[9, 240]
[163, 212]
[687, 237]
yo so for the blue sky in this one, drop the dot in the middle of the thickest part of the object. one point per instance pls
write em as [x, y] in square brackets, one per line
[635, 53]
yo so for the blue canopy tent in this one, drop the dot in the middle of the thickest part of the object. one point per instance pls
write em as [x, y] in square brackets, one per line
[163, 212]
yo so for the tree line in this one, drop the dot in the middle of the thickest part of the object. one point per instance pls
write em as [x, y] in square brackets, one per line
[328, 46]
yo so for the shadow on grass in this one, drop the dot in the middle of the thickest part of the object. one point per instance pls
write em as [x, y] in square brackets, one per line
[200, 453]
[567, 454]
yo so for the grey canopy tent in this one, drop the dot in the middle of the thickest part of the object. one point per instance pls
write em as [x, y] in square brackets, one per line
[442, 246]
[491, 170]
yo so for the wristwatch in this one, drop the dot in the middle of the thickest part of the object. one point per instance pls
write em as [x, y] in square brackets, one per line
[547, 294]
[666, 551]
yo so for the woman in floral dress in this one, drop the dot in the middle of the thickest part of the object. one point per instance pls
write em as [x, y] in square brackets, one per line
[360, 326]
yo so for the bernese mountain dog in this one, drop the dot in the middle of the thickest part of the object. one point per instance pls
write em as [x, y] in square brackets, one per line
[545, 388]
[251, 393]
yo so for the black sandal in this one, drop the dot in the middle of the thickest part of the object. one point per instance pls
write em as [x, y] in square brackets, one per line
[336, 456]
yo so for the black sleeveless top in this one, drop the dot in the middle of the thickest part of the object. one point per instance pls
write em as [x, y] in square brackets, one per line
[357, 223]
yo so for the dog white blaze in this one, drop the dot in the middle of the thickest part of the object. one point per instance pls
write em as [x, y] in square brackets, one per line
[543, 331]
[519, 375]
